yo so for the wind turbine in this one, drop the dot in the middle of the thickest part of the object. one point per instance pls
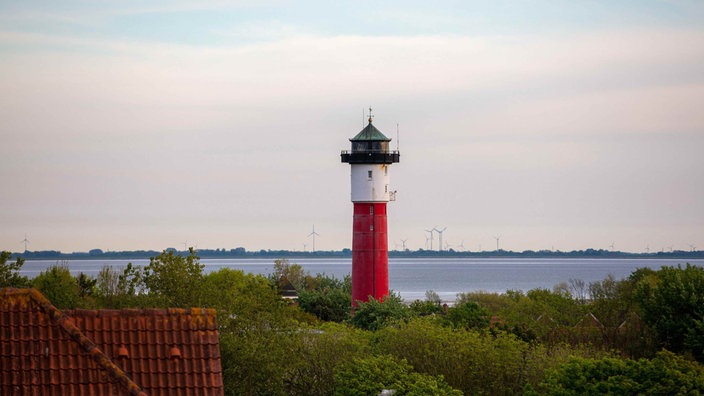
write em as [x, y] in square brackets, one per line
[431, 237]
[403, 241]
[440, 238]
[612, 246]
[498, 237]
[314, 234]
[647, 248]
[461, 245]
[25, 241]
[692, 247]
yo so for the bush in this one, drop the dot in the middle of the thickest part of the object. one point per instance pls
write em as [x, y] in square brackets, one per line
[374, 315]
[467, 315]
[330, 299]
[10, 272]
[672, 302]
[374, 374]
[58, 285]
[666, 374]
[470, 361]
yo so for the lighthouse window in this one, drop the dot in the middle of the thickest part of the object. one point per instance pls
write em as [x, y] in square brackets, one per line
[371, 227]
[371, 210]
[369, 174]
[386, 188]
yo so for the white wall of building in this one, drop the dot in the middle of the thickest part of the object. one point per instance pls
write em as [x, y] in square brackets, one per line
[370, 183]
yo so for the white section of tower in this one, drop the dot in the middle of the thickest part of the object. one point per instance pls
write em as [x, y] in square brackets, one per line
[370, 183]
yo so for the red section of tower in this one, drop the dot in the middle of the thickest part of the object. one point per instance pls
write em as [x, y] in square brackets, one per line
[370, 259]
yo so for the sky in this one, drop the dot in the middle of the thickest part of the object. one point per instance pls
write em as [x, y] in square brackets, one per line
[560, 125]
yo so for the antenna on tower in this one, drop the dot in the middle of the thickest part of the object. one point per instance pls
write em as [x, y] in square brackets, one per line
[398, 141]
[314, 234]
[25, 241]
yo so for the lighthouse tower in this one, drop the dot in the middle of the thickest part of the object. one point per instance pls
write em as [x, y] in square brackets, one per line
[370, 159]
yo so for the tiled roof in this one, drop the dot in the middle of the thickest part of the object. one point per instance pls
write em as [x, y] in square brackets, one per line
[96, 352]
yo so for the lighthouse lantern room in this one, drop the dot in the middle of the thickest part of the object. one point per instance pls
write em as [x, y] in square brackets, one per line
[370, 159]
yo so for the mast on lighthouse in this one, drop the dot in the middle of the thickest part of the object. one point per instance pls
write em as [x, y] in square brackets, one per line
[370, 159]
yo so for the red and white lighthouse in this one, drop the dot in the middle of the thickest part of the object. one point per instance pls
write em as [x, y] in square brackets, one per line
[370, 159]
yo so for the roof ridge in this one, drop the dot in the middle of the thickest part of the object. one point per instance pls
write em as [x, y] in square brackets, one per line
[85, 343]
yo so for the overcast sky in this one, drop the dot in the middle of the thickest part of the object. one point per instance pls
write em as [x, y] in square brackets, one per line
[553, 124]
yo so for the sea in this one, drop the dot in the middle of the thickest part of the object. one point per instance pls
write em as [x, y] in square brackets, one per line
[412, 277]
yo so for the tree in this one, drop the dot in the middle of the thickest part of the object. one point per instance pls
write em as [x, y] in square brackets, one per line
[10, 272]
[329, 300]
[374, 315]
[117, 289]
[374, 374]
[467, 315]
[672, 302]
[58, 286]
[173, 280]
[474, 362]
[666, 374]
[294, 273]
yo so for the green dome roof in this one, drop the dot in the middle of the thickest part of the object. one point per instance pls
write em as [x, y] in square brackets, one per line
[370, 133]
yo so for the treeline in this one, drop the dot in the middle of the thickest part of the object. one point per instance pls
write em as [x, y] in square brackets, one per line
[639, 335]
[241, 252]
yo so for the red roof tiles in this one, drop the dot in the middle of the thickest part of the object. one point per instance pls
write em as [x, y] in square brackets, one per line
[95, 352]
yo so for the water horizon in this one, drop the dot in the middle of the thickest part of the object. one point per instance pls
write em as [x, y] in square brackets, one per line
[412, 277]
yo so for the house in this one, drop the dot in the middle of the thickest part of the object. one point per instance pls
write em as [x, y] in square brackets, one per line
[45, 351]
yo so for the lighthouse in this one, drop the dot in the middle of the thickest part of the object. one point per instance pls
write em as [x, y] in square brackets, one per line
[370, 159]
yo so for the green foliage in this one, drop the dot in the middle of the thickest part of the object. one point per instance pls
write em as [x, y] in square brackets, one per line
[371, 375]
[467, 315]
[374, 315]
[255, 361]
[558, 304]
[330, 299]
[10, 272]
[110, 292]
[243, 301]
[611, 300]
[86, 285]
[320, 352]
[294, 273]
[173, 280]
[424, 308]
[666, 374]
[473, 362]
[260, 340]
[59, 286]
[672, 303]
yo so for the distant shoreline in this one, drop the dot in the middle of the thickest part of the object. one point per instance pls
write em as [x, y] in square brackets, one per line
[241, 253]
